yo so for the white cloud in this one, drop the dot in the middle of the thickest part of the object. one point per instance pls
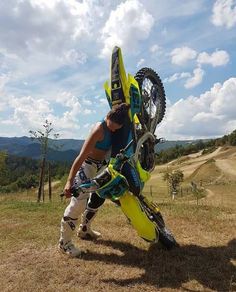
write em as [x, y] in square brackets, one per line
[3, 80]
[75, 57]
[177, 76]
[28, 112]
[37, 26]
[162, 10]
[87, 125]
[210, 114]
[224, 13]
[103, 101]
[180, 56]
[218, 58]
[195, 79]
[86, 101]
[155, 48]
[87, 111]
[67, 99]
[126, 26]
[38, 37]
[140, 62]
[225, 103]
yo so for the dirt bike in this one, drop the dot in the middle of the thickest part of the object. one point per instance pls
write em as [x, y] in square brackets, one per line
[133, 152]
[114, 183]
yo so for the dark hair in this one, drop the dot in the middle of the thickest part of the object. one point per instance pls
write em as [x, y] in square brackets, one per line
[119, 113]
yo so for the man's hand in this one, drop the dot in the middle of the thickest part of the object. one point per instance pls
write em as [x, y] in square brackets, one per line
[67, 189]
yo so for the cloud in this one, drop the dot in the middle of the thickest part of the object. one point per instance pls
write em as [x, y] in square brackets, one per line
[103, 101]
[29, 112]
[128, 24]
[195, 79]
[41, 26]
[224, 13]
[67, 99]
[180, 56]
[4, 78]
[140, 62]
[87, 111]
[162, 10]
[86, 101]
[155, 48]
[75, 57]
[218, 58]
[209, 115]
[87, 125]
[177, 76]
[38, 37]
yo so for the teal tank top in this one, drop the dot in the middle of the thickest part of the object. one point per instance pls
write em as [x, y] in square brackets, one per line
[105, 144]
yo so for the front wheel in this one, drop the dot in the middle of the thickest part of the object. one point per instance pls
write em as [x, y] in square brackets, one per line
[166, 238]
[153, 97]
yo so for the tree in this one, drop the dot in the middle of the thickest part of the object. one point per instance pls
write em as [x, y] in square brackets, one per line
[174, 179]
[232, 138]
[3, 157]
[42, 136]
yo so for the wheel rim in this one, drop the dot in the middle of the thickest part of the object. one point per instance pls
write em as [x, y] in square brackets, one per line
[150, 99]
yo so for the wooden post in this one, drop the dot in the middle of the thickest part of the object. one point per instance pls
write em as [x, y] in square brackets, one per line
[49, 182]
[43, 193]
[151, 190]
[41, 180]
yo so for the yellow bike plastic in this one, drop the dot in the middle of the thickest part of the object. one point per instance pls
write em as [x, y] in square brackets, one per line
[138, 218]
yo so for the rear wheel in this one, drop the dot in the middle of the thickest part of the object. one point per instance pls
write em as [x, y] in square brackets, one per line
[153, 96]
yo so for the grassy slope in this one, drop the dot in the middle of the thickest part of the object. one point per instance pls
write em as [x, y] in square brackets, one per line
[120, 261]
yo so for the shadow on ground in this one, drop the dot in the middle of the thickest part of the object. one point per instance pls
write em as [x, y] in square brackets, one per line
[212, 267]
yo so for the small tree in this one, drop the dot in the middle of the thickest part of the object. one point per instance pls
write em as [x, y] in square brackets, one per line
[174, 179]
[43, 138]
[3, 157]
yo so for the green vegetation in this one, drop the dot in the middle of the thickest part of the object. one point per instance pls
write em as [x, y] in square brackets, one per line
[175, 152]
[19, 173]
[174, 179]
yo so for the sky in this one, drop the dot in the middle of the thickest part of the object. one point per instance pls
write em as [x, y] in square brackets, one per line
[55, 57]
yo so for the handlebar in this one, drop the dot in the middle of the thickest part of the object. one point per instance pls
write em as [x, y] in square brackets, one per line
[120, 157]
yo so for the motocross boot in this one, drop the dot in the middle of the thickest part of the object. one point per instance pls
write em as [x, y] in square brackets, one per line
[85, 231]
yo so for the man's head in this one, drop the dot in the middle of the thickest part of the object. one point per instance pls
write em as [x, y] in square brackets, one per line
[117, 116]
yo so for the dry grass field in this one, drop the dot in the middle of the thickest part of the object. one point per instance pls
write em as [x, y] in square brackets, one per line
[120, 260]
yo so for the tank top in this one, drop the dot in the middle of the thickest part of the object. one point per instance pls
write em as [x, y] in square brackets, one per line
[105, 144]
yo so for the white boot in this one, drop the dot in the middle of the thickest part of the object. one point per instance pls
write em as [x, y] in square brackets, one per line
[66, 246]
[85, 231]
[69, 249]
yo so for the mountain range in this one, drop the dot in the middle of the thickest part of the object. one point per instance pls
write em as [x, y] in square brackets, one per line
[64, 150]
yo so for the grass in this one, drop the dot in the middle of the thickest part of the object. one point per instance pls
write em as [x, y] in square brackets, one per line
[120, 261]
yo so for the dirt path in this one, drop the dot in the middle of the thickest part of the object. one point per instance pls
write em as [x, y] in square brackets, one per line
[227, 166]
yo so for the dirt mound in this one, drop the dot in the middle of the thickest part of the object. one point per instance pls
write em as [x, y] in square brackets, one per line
[206, 173]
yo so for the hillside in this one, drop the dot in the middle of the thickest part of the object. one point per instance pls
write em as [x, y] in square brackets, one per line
[120, 260]
[64, 150]
[214, 172]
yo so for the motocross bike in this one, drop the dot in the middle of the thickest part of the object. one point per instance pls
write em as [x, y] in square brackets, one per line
[133, 150]
[115, 183]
